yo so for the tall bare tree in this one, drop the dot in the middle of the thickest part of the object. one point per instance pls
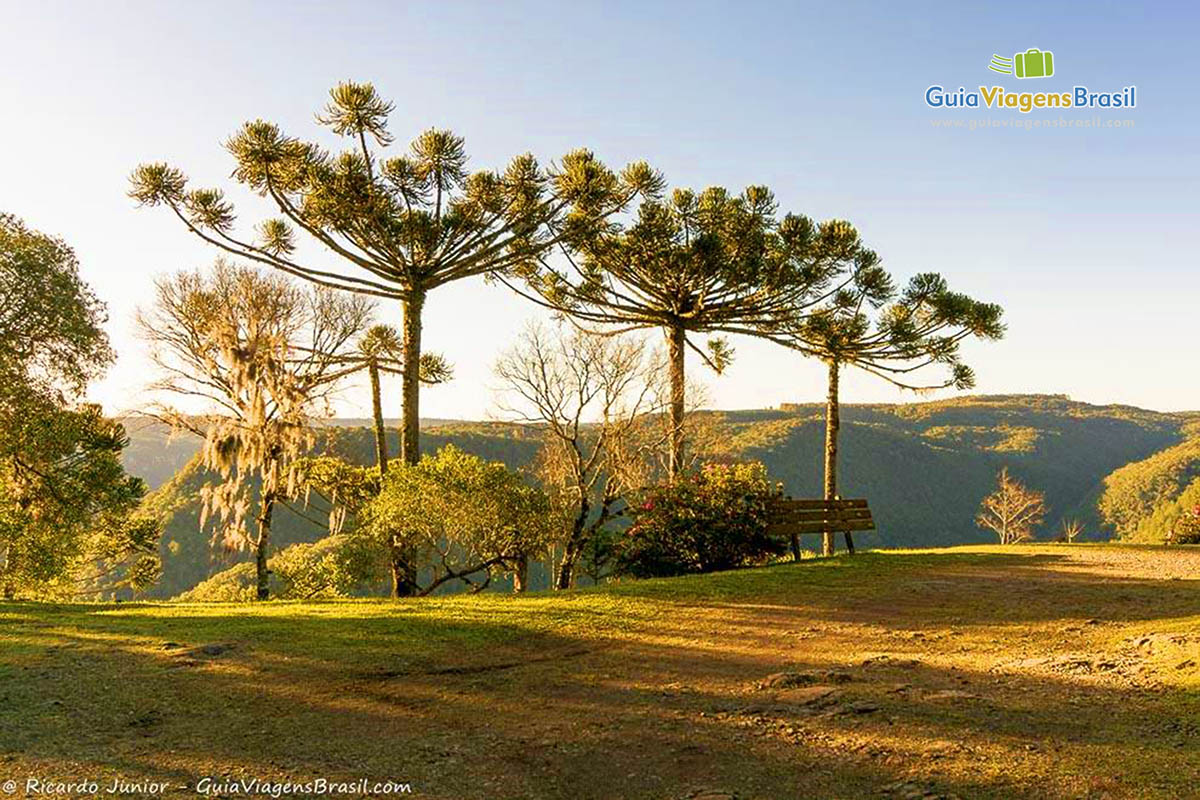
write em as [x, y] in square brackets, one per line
[699, 263]
[1071, 530]
[1012, 511]
[400, 226]
[595, 399]
[264, 355]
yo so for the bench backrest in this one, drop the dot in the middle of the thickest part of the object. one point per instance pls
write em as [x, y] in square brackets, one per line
[789, 516]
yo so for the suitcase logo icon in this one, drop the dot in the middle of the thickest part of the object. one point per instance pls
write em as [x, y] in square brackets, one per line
[1033, 63]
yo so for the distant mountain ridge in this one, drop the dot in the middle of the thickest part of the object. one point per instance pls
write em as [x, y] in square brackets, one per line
[924, 467]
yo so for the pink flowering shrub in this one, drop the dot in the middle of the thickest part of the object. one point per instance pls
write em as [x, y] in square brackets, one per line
[712, 519]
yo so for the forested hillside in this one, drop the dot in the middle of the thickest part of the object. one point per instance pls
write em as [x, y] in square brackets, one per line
[1143, 499]
[926, 466]
[923, 466]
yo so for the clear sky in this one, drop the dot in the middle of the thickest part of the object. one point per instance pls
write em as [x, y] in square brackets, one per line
[1087, 237]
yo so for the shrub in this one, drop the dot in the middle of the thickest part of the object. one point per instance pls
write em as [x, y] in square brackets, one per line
[1186, 529]
[709, 520]
[336, 566]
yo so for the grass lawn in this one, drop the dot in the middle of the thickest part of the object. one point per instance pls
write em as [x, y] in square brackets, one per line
[976, 672]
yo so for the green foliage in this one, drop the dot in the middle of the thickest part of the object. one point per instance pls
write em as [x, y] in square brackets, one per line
[400, 226]
[51, 336]
[344, 487]
[467, 518]
[186, 553]
[706, 261]
[1186, 528]
[412, 222]
[713, 519]
[1163, 519]
[336, 566]
[1142, 499]
[65, 501]
[922, 327]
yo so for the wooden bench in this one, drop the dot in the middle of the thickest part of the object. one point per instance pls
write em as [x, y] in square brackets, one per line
[792, 518]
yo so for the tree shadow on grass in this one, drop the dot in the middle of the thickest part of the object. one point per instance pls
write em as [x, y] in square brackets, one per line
[633, 720]
[483, 699]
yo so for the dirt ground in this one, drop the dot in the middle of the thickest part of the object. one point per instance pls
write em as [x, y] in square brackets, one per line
[1024, 672]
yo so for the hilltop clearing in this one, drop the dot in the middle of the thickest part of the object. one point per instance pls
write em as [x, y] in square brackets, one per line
[981, 672]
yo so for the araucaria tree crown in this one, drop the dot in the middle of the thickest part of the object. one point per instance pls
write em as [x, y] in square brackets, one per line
[400, 226]
[711, 262]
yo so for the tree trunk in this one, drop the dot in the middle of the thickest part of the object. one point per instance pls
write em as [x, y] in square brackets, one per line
[566, 567]
[832, 423]
[404, 573]
[381, 454]
[410, 425]
[521, 575]
[404, 567]
[676, 347]
[6, 574]
[262, 547]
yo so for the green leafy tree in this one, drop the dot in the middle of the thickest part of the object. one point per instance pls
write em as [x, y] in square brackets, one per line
[68, 510]
[264, 354]
[919, 330]
[341, 491]
[66, 504]
[468, 519]
[399, 226]
[698, 263]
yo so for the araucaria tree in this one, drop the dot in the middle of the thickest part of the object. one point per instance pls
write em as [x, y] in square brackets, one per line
[698, 263]
[593, 397]
[380, 352]
[919, 330]
[265, 354]
[1012, 511]
[399, 226]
